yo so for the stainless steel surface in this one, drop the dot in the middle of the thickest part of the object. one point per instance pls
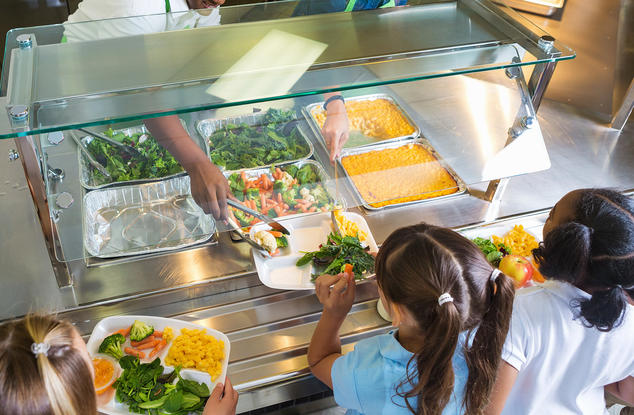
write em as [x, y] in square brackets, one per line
[420, 141]
[274, 224]
[86, 179]
[143, 219]
[308, 113]
[620, 118]
[86, 157]
[209, 126]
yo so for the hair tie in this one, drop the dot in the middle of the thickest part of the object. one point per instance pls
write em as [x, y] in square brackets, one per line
[494, 275]
[445, 298]
[40, 348]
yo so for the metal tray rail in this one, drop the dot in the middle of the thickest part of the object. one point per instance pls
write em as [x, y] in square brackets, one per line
[308, 113]
[209, 126]
[321, 173]
[142, 219]
[85, 168]
[462, 187]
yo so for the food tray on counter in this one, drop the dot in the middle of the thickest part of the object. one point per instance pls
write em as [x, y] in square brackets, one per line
[321, 174]
[357, 139]
[307, 233]
[85, 169]
[142, 219]
[110, 325]
[460, 186]
[206, 128]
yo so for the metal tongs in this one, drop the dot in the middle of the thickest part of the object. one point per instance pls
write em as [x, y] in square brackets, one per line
[248, 239]
[272, 223]
[89, 156]
[128, 149]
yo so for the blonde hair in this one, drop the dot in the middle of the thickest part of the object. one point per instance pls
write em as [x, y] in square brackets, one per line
[58, 382]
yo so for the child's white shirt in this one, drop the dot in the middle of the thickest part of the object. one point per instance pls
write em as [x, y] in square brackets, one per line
[563, 365]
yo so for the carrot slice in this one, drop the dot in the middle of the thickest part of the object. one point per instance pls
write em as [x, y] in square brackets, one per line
[312, 209]
[125, 332]
[148, 345]
[348, 268]
[157, 334]
[134, 352]
[243, 176]
[276, 252]
[277, 234]
[279, 198]
[158, 348]
[148, 339]
[278, 210]
[262, 200]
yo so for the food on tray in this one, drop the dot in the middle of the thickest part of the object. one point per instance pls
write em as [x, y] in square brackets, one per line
[337, 255]
[518, 268]
[111, 345]
[154, 162]
[348, 227]
[105, 374]
[145, 389]
[139, 331]
[284, 191]
[521, 242]
[275, 139]
[271, 240]
[398, 175]
[197, 350]
[493, 252]
[378, 118]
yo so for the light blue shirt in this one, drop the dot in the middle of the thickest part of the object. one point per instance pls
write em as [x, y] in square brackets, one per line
[364, 381]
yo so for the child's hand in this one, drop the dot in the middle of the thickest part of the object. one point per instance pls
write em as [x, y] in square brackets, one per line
[222, 401]
[337, 300]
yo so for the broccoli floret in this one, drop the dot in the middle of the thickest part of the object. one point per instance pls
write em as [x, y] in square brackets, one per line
[140, 331]
[289, 197]
[111, 345]
[292, 170]
[253, 193]
[282, 242]
[279, 186]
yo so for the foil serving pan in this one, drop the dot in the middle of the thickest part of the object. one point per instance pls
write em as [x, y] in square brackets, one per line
[85, 168]
[209, 126]
[324, 179]
[420, 141]
[360, 140]
[142, 219]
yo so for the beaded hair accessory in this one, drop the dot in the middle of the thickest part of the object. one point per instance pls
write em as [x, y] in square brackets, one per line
[445, 298]
[40, 348]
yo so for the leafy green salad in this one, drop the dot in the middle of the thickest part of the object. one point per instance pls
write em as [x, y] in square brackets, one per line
[333, 256]
[154, 162]
[146, 390]
[275, 139]
[493, 253]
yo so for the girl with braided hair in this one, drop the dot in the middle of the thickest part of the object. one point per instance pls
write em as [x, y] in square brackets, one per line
[451, 310]
[573, 337]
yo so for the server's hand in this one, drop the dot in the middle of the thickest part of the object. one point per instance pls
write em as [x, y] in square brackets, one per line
[210, 188]
[336, 128]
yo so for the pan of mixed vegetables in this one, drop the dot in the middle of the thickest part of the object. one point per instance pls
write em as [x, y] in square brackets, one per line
[289, 190]
[153, 162]
[255, 140]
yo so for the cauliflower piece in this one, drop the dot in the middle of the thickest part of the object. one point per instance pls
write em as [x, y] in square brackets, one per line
[305, 193]
[265, 239]
[287, 179]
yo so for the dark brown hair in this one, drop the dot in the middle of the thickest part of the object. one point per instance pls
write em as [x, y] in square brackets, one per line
[56, 383]
[416, 265]
[595, 251]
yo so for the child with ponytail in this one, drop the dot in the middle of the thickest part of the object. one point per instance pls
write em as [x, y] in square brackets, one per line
[45, 369]
[451, 311]
[573, 337]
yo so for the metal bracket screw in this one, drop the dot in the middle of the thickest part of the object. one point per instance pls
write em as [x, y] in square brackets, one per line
[546, 43]
[19, 112]
[13, 155]
[64, 200]
[512, 72]
[24, 41]
[515, 132]
[527, 121]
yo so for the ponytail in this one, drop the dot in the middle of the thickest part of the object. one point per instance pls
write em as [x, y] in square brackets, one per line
[568, 249]
[604, 310]
[483, 357]
[433, 376]
[54, 380]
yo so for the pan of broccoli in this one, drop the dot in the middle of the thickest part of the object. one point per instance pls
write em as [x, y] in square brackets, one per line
[255, 140]
[153, 162]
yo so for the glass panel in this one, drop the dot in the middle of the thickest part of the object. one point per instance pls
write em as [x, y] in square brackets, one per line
[477, 127]
[99, 81]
